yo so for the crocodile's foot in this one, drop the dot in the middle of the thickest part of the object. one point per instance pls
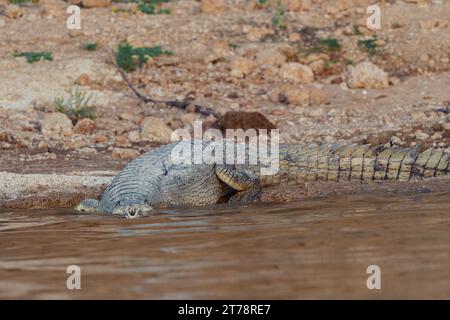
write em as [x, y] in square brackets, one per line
[133, 211]
[88, 205]
[245, 182]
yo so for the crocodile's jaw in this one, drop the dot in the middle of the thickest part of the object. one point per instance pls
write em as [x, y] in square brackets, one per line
[133, 211]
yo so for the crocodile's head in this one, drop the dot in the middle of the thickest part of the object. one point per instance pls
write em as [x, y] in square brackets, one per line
[134, 211]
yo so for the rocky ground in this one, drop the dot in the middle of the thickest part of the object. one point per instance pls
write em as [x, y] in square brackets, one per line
[311, 67]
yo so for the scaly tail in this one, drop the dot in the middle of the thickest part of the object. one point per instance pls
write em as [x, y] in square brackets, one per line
[358, 162]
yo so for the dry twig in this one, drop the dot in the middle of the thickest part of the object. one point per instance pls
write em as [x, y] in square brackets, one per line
[183, 104]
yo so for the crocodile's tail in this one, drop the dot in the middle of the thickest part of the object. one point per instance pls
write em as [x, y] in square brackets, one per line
[361, 162]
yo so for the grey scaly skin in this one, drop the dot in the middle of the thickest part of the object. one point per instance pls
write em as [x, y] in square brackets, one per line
[154, 180]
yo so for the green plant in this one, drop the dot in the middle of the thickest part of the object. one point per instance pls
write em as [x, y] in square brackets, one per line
[278, 17]
[90, 46]
[262, 1]
[23, 1]
[129, 58]
[33, 56]
[369, 45]
[77, 105]
[320, 45]
[126, 10]
[330, 44]
[356, 31]
[153, 7]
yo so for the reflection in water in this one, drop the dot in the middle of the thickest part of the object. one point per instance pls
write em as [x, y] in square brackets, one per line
[311, 249]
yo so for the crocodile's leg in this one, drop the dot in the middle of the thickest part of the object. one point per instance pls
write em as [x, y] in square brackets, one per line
[88, 205]
[246, 183]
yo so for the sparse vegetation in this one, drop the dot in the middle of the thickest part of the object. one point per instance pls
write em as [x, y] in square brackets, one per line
[129, 58]
[117, 10]
[368, 45]
[33, 56]
[153, 7]
[77, 105]
[330, 44]
[320, 45]
[90, 46]
[278, 19]
[18, 2]
[356, 31]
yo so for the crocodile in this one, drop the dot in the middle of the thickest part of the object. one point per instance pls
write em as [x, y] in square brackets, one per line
[155, 180]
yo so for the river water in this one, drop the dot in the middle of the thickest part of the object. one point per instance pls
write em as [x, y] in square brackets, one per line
[310, 249]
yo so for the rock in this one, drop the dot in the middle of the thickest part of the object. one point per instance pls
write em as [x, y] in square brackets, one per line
[366, 75]
[446, 126]
[54, 8]
[126, 116]
[240, 67]
[394, 81]
[13, 11]
[296, 95]
[155, 129]
[100, 138]
[243, 120]
[380, 138]
[87, 150]
[296, 72]
[212, 6]
[96, 3]
[257, 34]
[418, 115]
[84, 126]
[123, 142]
[220, 48]
[125, 153]
[421, 135]
[317, 66]
[434, 24]
[2, 23]
[397, 141]
[56, 124]
[83, 80]
[134, 136]
[296, 5]
[270, 56]
[437, 127]
[437, 136]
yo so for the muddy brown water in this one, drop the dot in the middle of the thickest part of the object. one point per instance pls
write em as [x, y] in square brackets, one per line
[309, 249]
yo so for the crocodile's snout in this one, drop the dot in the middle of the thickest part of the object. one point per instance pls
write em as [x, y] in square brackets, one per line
[132, 212]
